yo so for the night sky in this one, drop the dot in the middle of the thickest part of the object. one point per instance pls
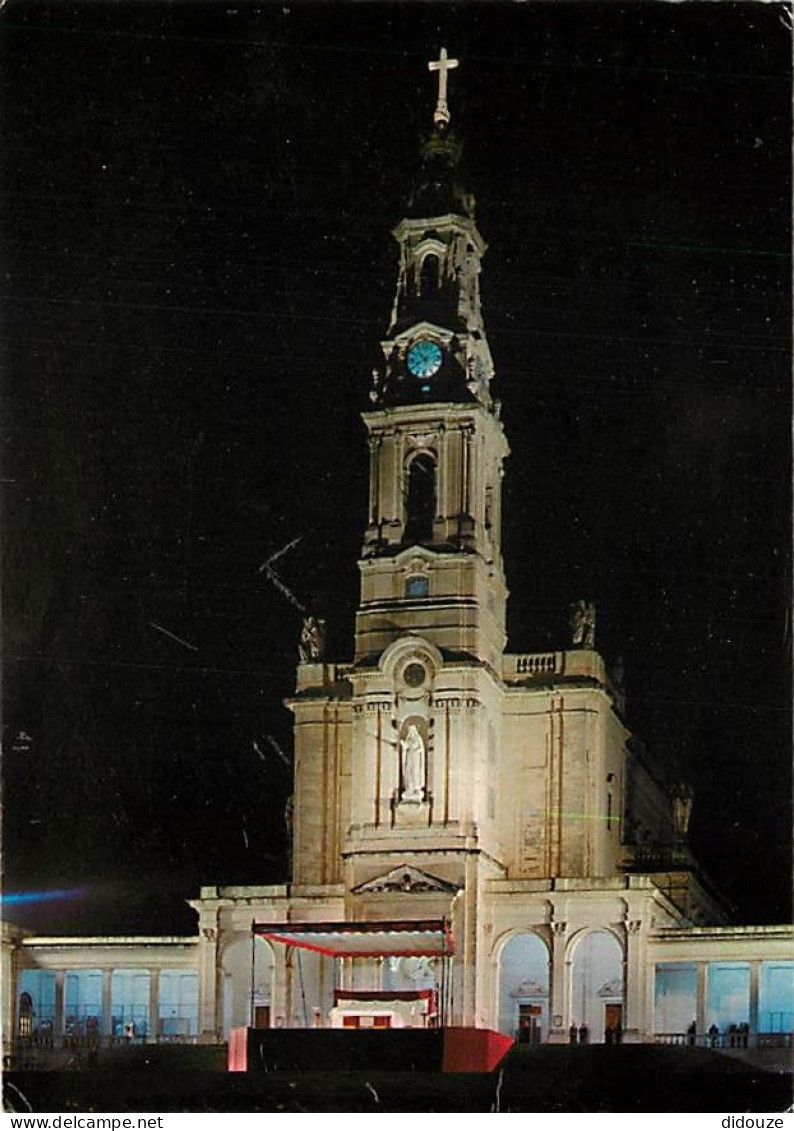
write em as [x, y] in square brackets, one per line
[197, 202]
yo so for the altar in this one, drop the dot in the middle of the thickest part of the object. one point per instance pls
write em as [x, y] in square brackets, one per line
[385, 1009]
[376, 1006]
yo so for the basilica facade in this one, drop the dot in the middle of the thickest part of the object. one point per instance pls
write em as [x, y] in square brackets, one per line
[439, 778]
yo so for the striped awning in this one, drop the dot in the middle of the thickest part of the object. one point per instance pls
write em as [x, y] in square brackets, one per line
[365, 939]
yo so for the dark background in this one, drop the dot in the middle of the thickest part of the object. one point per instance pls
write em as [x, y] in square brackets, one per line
[197, 202]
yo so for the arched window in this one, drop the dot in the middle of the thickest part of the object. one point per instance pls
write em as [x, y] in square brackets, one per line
[420, 500]
[428, 278]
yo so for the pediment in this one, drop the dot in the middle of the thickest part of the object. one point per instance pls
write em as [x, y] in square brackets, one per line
[611, 989]
[530, 988]
[406, 878]
[417, 329]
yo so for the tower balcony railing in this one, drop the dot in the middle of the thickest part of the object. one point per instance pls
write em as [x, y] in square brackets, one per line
[656, 857]
[573, 664]
[534, 663]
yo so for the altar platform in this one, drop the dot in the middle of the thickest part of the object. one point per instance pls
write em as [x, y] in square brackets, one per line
[451, 1049]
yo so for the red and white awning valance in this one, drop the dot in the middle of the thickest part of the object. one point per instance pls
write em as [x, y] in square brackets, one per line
[366, 939]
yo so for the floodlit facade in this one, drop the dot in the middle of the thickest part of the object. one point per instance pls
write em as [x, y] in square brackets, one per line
[438, 777]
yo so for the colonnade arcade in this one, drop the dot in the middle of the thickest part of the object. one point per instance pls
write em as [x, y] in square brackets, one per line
[584, 993]
[107, 1003]
[723, 1003]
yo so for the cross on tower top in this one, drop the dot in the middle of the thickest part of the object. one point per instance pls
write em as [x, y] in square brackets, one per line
[441, 115]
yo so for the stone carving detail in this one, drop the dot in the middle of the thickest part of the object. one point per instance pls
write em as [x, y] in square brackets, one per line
[413, 756]
[634, 926]
[530, 988]
[416, 565]
[405, 878]
[683, 801]
[559, 928]
[423, 441]
[312, 640]
[209, 933]
[372, 706]
[583, 623]
[611, 989]
[457, 704]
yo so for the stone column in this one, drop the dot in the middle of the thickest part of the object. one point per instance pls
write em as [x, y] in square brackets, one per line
[700, 998]
[10, 997]
[470, 943]
[208, 985]
[455, 969]
[456, 771]
[105, 1023]
[374, 480]
[559, 1022]
[397, 517]
[154, 1005]
[289, 963]
[755, 970]
[634, 1027]
[60, 1002]
[442, 480]
[278, 1003]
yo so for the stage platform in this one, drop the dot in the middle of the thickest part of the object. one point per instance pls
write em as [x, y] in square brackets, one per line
[450, 1049]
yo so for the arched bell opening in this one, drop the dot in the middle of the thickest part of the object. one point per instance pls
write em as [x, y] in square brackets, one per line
[420, 498]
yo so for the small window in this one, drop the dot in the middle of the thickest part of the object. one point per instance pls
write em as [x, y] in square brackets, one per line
[415, 675]
[417, 586]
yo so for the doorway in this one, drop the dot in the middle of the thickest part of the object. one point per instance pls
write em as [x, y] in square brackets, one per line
[613, 1023]
[529, 1023]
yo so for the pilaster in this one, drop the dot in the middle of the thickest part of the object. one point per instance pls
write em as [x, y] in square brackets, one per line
[60, 999]
[560, 979]
[470, 942]
[209, 1023]
[755, 969]
[106, 1021]
[634, 983]
[700, 997]
[154, 1005]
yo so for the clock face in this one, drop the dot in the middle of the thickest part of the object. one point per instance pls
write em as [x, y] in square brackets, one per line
[424, 358]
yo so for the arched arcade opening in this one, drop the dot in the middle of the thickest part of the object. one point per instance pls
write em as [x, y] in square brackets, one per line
[524, 988]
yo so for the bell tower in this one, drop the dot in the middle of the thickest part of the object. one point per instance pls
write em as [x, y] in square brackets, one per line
[431, 559]
[398, 752]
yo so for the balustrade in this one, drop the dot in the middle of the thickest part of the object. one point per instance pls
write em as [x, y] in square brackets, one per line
[537, 663]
